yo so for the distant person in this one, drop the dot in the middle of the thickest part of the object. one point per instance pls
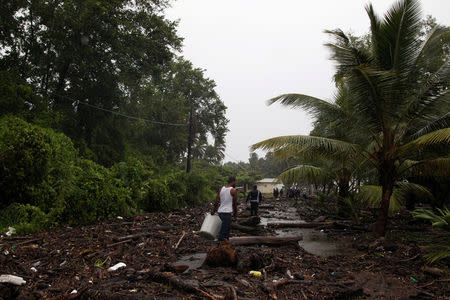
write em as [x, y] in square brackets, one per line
[255, 197]
[275, 193]
[226, 205]
[281, 192]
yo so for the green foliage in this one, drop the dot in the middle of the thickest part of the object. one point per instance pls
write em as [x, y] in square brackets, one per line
[25, 218]
[437, 252]
[439, 220]
[36, 165]
[97, 196]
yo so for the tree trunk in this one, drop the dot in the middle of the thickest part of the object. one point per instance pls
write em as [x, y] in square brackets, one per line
[190, 139]
[380, 228]
[386, 171]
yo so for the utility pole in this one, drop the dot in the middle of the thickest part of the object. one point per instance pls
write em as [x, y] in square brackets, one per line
[190, 141]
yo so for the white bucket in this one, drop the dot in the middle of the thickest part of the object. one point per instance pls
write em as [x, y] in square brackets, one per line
[211, 226]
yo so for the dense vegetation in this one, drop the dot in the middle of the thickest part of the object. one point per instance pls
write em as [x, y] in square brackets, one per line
[99, 114]
[384, 139]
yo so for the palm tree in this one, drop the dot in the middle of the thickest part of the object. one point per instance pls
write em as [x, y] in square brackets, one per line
[399, 97]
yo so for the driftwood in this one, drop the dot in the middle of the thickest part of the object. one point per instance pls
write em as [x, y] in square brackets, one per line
[271, 287]
[263, 240]
[299, 225]
[119, 243]
[181, 238]
[134, 236]
[433, 271]
[174, 281]
[250, 221]
[242, 228]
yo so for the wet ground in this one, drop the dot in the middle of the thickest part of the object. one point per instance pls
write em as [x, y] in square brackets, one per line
[71, 262]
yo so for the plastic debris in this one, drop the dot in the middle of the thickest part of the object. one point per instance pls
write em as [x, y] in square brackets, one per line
[116, 267]
[12, 279]
[11, 231]
[412, 279]
[255, 273]
[36, 264]
[289, 274]
[74, 292]
[119, 217]
[33, 269]
[6, 252]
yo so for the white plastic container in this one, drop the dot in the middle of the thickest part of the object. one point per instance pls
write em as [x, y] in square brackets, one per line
[211, 226]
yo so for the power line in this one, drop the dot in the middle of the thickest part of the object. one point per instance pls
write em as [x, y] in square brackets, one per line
[120, 114]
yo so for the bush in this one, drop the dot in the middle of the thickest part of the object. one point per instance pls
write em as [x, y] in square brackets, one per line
[25, 218]
[97, 196]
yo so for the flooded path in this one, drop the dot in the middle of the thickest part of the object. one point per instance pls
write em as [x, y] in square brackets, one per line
[314, 241]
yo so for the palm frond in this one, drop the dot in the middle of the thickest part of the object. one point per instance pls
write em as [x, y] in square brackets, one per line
[439, 123]
[441, 136]
[372, 194]
[311, 104]
[394, 37]
[303, 172]
[439, 167]
[438, 252]
[314, 142]
[440, 220]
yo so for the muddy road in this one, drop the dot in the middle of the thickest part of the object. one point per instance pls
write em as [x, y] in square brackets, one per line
[164, 254]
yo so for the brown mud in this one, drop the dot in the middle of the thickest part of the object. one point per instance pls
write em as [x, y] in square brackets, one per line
[71, 262]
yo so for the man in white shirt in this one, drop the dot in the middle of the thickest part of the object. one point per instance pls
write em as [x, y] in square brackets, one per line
[226, 205]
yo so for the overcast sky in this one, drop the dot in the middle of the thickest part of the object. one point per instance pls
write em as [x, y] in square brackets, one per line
[259, 49]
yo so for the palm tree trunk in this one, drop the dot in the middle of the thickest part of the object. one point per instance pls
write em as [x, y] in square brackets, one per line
[380, 228]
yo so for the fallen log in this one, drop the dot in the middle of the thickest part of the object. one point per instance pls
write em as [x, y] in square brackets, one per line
[174, 281]
[251, 221]
[264, 240]
[299, 225]
[242, 228]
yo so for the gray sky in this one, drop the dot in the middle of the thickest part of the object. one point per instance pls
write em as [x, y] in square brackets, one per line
[258, 49]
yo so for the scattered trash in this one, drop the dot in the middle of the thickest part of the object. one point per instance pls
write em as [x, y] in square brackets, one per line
[11, 231]
[412, 279]
[12, 279]
[63, 263]
[255, 273]
[36, 264]
[332, 273]
[33, 269]
[289, 274]
[119, 217]
[74, 292]
[133, 291]
[116, 267]
[6, 252]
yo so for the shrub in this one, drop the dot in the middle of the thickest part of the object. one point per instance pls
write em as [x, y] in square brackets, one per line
[158, 196]
[25, 218]
[97, 196]
[36, 165]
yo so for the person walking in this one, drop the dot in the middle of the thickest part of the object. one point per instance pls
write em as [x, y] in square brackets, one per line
[275, 193]
[226, 205]
[255, 196]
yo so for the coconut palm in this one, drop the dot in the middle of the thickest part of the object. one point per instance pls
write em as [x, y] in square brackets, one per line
[399, 97]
